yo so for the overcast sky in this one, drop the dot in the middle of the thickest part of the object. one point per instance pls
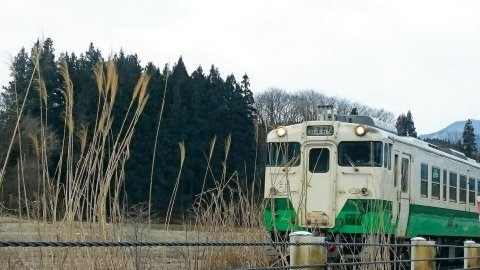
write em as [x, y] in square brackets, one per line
[422, 56]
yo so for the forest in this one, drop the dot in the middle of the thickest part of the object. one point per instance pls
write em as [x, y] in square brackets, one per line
[197, 130]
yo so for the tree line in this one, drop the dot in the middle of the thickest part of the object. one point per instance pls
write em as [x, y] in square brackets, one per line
[209, 117]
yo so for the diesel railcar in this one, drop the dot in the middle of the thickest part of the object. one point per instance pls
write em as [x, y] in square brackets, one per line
[344, 177]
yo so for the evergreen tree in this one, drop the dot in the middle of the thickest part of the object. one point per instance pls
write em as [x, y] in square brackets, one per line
[240, 117]
[469, 145]
[15, 91]
[129, 71]
[85, 92]
[411, 131]
[401, 125]
[405, 125]
[11, 100]
[138, 167]
[55, 103]
[174, 130]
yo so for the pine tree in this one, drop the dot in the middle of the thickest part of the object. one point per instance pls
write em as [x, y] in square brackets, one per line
[11, 99]
[405, 125]
[138, 167]
[401, 125]
[55, 99]
[85, 88]
[411, 131]
[469, 145]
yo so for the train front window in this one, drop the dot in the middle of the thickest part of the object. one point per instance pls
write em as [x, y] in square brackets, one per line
[361, 154]
[319, 160]
[283, 154]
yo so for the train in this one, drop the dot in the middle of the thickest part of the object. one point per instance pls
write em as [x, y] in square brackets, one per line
[345, 177]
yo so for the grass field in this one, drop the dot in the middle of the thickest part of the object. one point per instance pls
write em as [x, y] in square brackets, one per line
[128, 258]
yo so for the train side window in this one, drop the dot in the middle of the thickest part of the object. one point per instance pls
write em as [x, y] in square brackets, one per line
[452, 187]
[435, 183]
[478, 187]
[385, 155]
[463, 189]
[395, 170]
[471, 191]
[319, 160]
[404, 177]
[390, 146]
[444, 180]
[424, 180]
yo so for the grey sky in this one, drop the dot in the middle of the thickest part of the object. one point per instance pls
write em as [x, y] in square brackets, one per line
[397, 55]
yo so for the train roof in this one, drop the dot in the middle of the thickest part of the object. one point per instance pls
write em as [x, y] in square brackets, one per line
[448, 152]
[367, 120]
[372, 122]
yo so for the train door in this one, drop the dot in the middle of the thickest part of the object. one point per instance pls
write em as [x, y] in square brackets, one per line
[405, 176]
[396, 188]
[320, 185]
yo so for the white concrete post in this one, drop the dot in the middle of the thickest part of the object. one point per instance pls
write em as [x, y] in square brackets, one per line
[471, 251]
[307, 254]
[423, 250]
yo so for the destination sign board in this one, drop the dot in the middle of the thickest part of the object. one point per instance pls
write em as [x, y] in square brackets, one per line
[321, 130]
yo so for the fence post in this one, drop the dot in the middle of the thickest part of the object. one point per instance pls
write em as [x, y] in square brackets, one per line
[307, 254]
[471, 251]
[423, 250]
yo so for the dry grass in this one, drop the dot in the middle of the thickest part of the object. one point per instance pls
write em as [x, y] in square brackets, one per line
[225, 213]
[80, 200]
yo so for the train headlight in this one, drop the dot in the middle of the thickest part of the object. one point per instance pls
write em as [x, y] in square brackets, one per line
[360, 130]
[364, 191]
[281, 131]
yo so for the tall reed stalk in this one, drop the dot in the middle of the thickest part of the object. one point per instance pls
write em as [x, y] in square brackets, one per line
[76, 201]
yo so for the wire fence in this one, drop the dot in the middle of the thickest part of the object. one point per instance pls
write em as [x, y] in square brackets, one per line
[279, 245]
[60, 244]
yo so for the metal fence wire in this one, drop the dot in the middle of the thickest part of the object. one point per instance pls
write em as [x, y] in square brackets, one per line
[61, 244]
[135, 244]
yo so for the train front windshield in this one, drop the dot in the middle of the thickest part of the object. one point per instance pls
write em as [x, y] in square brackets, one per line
[283, 154]
[361, 154]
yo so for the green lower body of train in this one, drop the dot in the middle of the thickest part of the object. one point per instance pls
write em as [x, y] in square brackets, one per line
[369, 216]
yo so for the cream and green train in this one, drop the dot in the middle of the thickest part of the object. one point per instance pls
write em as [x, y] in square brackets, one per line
[353, 176]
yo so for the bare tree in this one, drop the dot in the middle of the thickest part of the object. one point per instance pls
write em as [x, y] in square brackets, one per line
[278, 107]
[271, 106]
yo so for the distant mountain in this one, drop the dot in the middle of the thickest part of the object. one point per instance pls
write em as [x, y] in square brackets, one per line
[454, 131]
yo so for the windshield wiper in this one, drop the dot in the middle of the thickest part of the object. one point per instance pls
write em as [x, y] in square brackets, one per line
[290, 162]
[351, 163]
